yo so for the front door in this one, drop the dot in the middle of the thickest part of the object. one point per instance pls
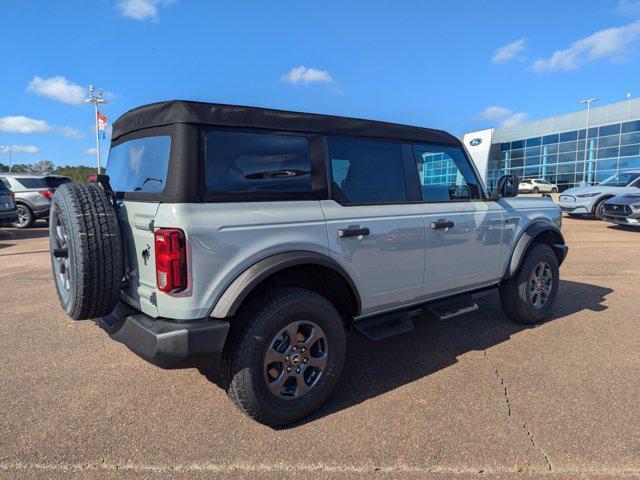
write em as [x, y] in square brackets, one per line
[374, 232]
[463, 230]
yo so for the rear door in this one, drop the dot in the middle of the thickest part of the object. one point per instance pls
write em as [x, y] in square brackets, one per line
[374, 231]
[463, 230]
[138, 166]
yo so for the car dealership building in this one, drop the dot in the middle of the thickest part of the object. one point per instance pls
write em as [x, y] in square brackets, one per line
[561, 149]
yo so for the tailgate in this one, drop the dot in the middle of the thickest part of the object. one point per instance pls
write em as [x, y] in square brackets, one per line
[136, 223]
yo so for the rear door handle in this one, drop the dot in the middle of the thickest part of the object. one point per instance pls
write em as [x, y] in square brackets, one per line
[442, 224]
[353, 232]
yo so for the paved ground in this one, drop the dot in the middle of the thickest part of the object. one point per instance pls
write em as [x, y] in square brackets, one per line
[477, 396]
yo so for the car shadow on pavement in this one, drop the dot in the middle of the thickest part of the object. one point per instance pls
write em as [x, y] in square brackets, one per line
[17, 234]
[374, 368]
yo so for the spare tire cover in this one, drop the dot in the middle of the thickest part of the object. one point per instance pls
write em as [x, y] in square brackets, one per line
[86, 250]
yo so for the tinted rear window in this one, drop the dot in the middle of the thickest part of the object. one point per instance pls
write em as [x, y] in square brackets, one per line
[27, 182]
[140, 165]
[257, 164]
[367, 171]
[55, 182]
[3, 187]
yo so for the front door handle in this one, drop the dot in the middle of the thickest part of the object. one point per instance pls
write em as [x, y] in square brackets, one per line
[442, 224]
[353, 232]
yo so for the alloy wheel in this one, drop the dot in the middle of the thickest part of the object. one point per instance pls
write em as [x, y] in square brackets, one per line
[540, 284]
[60, 254]
[295, 360]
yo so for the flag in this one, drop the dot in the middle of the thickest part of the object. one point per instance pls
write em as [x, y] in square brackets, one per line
[102, 123]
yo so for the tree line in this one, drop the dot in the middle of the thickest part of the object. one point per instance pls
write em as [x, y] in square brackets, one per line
[77, 174]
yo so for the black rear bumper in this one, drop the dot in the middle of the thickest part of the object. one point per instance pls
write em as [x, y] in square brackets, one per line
[166, 343]
[8, 216]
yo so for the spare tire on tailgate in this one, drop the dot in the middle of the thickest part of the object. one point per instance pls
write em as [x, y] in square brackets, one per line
[86, 250]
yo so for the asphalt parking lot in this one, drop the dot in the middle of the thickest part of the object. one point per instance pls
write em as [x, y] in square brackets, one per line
[475, 396]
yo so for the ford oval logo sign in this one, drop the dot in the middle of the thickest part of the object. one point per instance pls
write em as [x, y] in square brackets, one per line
[475, 142]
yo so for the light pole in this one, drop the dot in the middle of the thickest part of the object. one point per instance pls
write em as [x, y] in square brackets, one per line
[96, 101]
[586, 145]
[9, 148]
[629, 104]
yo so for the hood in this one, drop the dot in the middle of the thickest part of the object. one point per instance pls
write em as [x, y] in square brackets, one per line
[629, 199]
[592, 189]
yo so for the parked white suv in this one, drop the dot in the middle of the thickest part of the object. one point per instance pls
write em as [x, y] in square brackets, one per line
[537, 185]
[263, 237]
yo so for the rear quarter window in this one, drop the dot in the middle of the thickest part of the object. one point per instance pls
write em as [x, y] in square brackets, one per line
[55, 182]
[250, 164]
[140, 165]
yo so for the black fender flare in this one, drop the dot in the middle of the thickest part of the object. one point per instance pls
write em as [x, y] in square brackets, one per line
[527, 237]
[237, 291]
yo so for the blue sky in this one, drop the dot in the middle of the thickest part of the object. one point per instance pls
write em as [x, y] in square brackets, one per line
[456, 65]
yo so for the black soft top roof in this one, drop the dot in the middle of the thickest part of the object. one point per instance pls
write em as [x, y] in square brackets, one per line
[181, 111]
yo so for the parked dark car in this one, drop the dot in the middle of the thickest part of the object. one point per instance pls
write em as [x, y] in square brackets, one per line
[8, 210]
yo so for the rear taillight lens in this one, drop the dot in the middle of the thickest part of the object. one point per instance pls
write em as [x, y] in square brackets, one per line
[13, 196]
[46, 193]
[171, 260]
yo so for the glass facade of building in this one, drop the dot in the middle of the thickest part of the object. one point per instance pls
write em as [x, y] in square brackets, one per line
[566, 158]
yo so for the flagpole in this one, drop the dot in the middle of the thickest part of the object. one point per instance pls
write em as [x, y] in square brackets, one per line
[96, 100]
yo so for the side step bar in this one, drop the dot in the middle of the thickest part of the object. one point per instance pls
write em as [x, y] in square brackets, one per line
[385, 326]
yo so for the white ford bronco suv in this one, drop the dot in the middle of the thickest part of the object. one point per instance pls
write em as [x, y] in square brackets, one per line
[251, 241]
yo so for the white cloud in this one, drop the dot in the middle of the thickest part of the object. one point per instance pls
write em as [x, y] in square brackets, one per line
[491, 113]
[611, 43]
[70, 132]
[22, 124]
[91, 151]
[306, 75]
[508, 52]
[58, 88]
[628, 7]
[515, 119]
[22, 148]
[142, 9]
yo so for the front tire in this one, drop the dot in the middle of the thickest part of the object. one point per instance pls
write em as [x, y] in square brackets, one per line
[529, 296]
[283, 356]
[598, 211]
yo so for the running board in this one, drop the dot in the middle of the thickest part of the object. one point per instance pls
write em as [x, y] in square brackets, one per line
[452, 307]
[385, 326]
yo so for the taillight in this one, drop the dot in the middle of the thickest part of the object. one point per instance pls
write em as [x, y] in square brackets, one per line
[171, 260]
[46, 193]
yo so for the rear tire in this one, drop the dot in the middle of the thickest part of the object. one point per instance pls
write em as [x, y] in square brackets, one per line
[529, 296]
[86, 251]
[268, 336]
[26, 218]
[535, 190]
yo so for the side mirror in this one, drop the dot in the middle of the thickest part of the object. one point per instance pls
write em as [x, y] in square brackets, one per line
[508, 186]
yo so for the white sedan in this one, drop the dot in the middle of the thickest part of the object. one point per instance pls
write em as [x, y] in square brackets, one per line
[537, 185]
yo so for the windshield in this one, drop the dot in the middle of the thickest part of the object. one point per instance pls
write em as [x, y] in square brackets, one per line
[139, 165]
[620, 179]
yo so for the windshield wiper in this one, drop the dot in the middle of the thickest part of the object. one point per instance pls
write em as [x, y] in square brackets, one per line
[147, 180]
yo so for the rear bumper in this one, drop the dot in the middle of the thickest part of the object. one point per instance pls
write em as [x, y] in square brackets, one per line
[166, 343]
[9, 216]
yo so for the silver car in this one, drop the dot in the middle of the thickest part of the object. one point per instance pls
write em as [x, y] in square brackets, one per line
[32, 195]
[253, 240]
[590, 200]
